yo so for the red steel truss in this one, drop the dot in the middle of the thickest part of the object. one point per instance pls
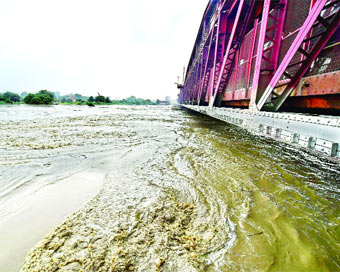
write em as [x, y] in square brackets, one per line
[266, 55]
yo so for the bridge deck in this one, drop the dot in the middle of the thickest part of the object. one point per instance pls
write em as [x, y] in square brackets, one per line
[313, 132]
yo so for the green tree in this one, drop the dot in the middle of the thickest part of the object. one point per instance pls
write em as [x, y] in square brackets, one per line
[107, 100]
[132, 100]
[100, 99]
[91, 99]
[11, 97]
[149, 102]
[79, 97]
[66, 100]
[43, 97]
[28, 98]
[5, 100]
[46, 92]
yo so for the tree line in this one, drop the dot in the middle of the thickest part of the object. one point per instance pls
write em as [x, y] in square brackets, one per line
[45, 97]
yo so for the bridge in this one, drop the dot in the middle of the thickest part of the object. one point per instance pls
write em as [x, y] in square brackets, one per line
[272, 67]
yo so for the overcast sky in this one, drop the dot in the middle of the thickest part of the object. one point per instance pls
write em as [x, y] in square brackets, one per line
[119, 48]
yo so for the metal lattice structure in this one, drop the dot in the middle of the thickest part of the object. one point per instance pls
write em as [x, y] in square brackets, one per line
[269, 55]
[266, 66]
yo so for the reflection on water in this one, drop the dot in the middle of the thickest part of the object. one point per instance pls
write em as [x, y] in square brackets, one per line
[187, 193]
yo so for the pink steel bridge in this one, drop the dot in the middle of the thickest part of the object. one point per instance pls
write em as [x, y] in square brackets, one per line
[255, 59]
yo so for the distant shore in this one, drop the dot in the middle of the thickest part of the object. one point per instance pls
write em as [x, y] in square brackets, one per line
[45, 97]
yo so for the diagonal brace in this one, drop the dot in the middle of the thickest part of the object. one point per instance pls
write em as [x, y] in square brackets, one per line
[306, 27]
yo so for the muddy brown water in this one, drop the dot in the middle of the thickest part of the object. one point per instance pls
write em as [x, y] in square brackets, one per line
[180, 192]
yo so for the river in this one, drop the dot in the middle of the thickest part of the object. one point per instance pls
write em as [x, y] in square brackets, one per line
[164, 190]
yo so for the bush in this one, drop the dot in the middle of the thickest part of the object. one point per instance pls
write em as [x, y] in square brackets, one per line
[90, 104]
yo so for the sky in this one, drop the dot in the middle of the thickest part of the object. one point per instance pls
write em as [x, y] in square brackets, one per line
[116, 48]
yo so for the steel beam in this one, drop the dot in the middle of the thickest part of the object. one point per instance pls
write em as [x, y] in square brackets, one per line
[231, 39]
[267, 58]
[259, 54]
[211, 84]
[304, 30]
[250, 56]
[308, 61]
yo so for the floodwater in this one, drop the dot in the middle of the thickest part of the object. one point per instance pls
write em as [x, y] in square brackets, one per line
[177, 191]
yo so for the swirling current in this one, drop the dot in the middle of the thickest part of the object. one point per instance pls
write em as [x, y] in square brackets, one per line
[180, 192]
